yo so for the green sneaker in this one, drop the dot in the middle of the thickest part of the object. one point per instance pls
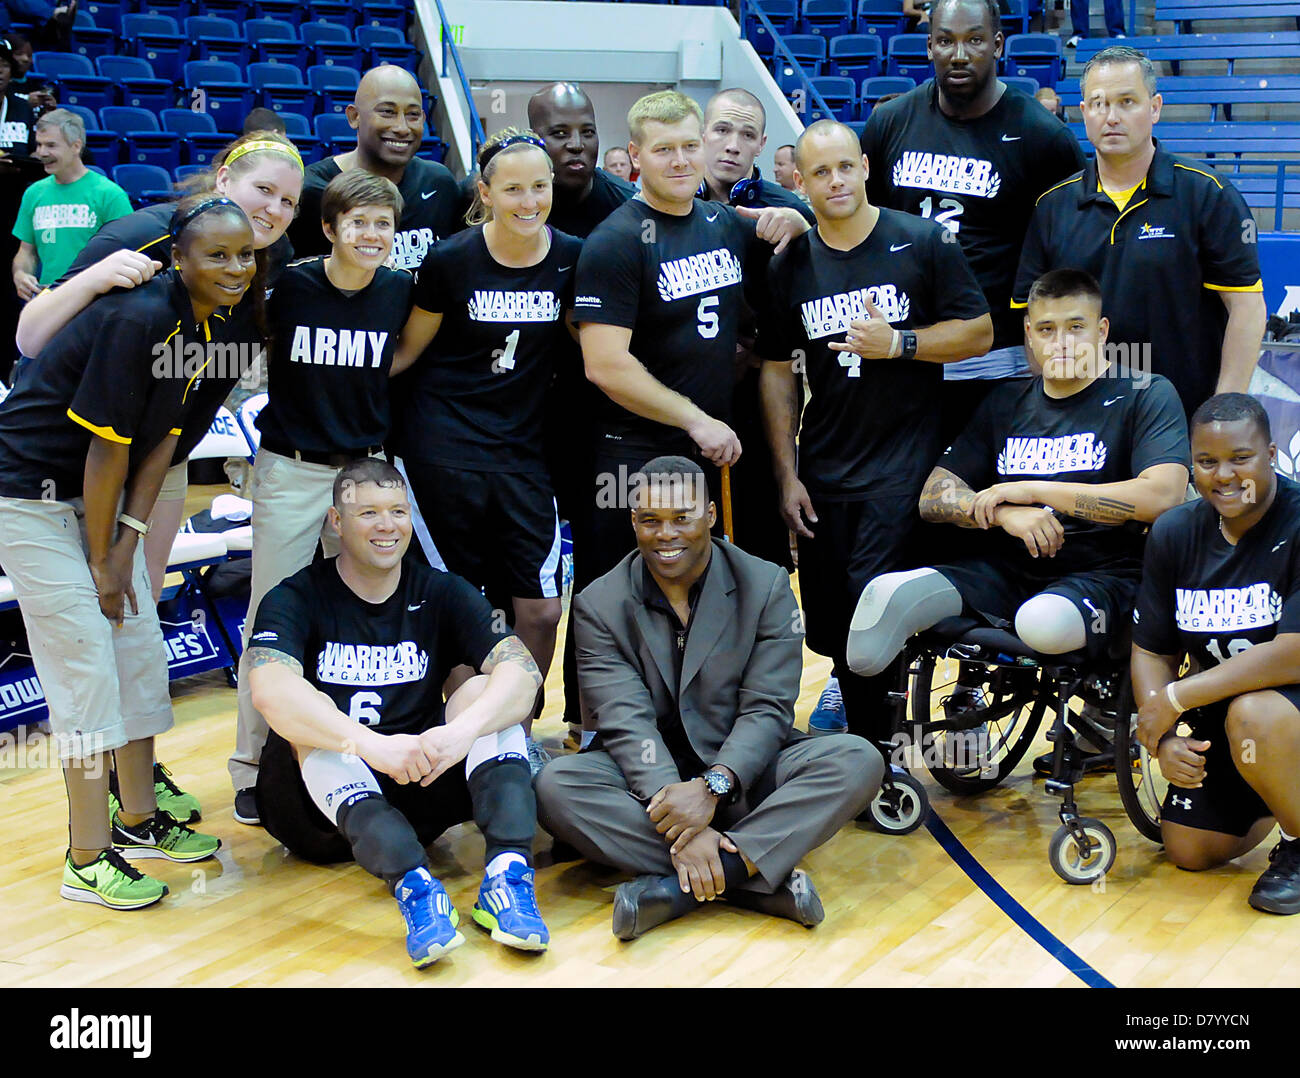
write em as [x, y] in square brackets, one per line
[111, 882]
[182, 807]
[162, 836]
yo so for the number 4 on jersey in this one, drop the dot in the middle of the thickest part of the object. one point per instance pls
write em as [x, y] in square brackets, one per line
[853, 362]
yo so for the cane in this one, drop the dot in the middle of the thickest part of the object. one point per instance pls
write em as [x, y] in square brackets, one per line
[728, 528]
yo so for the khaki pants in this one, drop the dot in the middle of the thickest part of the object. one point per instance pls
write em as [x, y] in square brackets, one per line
[290, 498]
[104, 686]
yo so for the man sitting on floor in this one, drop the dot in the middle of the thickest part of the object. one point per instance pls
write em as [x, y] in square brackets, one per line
[689, 659]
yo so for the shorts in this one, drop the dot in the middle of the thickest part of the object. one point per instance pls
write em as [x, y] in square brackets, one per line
[853, 542]
[105, 686]
[994, 589]
[1226, 803]
[498, 530]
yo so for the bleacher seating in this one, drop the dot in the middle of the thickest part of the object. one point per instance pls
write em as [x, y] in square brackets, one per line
[384, 45]
[784, 17]
[1176, 49]
[332, 45]
[1214, 91]
[158, 39]
[1184, 12]
[839, 93]
[144, 184]
[1035, 56]
[874, 89]
[1024, 85]
[334, 87]
[75, 79]
[200, 140]
[907, 56]
[829, 18]
[137, 85]
[144, 142]
[226, 95]
[335, 133]
[856, 56]
[881, 18]
[275, 42]
[214, 38]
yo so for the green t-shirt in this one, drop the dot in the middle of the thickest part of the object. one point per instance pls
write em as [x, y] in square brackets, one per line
[59, 218]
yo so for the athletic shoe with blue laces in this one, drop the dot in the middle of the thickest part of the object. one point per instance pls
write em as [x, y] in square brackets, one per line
[431, 919]
[507, 907]
[828, 715]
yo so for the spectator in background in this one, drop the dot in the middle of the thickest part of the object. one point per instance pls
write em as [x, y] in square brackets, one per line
[1079, 20]
[617, 163]
[53, 23]
[783, 167]
[42, 97]
[61, 212]
[263, 120]
[1048, 98]
[17, 171]
[21, 50]
[919, 12]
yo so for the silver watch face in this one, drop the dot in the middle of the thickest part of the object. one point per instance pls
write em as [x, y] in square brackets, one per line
[717, 783]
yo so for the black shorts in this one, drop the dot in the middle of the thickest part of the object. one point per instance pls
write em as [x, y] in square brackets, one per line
[853, 542]
[994, 588]
[291, 817]
[498, 530]
[1226, 802]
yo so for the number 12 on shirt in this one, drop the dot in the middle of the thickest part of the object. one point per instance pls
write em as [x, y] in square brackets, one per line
[949, 212]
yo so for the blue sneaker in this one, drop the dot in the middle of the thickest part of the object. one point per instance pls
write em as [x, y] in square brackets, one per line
[507, 907]
[431, 919]
[828, 715]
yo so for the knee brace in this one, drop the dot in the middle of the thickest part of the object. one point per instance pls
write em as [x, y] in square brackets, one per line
[502, 745]
[383, 841]
[501, 789]
[893, 607]
[1051, 624]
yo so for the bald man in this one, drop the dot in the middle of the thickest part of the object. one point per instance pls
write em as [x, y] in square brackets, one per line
[583, 195]
[388, 115]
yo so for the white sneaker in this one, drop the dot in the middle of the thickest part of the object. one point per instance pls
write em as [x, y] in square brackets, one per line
[1073, 43]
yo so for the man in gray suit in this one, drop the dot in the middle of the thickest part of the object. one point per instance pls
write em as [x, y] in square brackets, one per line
[689, 659]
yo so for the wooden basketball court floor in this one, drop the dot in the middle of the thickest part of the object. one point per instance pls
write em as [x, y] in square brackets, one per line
[900, 911]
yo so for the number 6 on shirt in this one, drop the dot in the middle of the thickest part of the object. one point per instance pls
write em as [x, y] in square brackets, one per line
[360, 709]
[708, 326]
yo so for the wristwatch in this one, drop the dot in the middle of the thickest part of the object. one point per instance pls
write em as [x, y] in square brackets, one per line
[719, 784]
[909, 345]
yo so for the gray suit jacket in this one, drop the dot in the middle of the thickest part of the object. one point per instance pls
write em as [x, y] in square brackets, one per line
[740, 672]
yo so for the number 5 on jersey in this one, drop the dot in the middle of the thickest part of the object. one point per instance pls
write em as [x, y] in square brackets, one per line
[363, 708]
[708, 317]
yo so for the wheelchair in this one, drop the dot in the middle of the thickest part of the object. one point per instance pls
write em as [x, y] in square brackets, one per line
[972, 749]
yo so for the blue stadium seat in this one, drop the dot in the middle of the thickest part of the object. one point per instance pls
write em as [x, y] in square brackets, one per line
[144, 184]
[138, 87]
[784, 16]
[213, 38]
[434, 149]
[76, 79]
[1016, 21]
[809, 50]
[332, 44]
[286, 11]
[874, 89]
[907, 57]
[334, 87]
[856, 56]
[829, 18]
[275, 42]
[106, 13]
[96, 168]
[298, 129]
[1024, 85]
[342, 12]
[393, 16]
[223, 92]
[882, 18]
[1034, 56]
[155, 38]
[384, 45]
[200, 140]
[184, 172]
[840, 95]
[280, 87]
[101, 145]
[143, 140]
[176, 9]
[89, 40]
[225, 9]
[335, 133]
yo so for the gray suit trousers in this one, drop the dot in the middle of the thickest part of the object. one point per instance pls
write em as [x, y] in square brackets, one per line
[811, 789]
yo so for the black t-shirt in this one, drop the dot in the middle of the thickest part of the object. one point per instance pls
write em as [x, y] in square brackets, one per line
[100, 375]
[580, 219]
[676, 282]
[383, 664]
[763, 195]
[476, 398]
[329, 359]
[978, 178]
[1108, 432]
[432, 209]
[1203, 596]
[871, 428]
[17, 126]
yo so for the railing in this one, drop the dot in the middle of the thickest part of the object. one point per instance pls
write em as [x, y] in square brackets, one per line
[778, 45]
[476, 134]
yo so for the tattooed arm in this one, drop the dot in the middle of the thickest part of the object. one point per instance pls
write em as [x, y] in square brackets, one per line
[947, 499]
[511, 690]
[1156, 489]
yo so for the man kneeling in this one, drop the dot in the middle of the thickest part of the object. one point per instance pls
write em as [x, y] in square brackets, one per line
[348, 658]
[1068, 467]
[689, 659]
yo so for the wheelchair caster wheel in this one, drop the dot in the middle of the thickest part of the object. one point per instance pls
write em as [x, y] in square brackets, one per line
[903, 809]
[1071, 863]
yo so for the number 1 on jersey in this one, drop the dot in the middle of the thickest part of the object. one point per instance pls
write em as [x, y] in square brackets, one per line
[503, 359]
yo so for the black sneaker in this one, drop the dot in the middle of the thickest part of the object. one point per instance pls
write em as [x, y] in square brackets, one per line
[246, 807]
[1278, 889]
[965, 700]
[1094, 763]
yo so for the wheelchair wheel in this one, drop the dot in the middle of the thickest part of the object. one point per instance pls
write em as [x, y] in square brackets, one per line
[1141, 786]
[978, 758]
[902, 810]
[1071, 863]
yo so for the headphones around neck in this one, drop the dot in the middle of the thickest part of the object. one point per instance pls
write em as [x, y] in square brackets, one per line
[746, 192]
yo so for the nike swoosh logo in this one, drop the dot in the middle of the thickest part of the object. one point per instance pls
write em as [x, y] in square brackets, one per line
[564, 269]
[898, 247]
[711, 217]
[428, 194]
[1010, 138]
[1107, 404]
[415, 607]
[1278, 547]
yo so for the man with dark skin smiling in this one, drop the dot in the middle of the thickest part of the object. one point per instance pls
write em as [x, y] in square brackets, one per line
[689, 655]
[388, 114]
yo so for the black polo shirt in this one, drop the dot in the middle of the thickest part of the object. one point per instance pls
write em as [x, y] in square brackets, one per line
[1184, 237]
